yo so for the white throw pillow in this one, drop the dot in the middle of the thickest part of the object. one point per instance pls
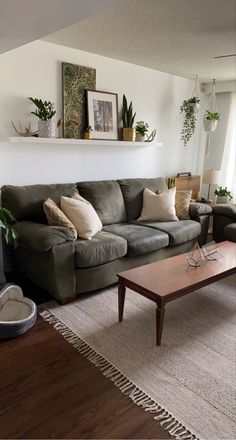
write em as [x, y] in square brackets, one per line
[82, 215]
[159, 207]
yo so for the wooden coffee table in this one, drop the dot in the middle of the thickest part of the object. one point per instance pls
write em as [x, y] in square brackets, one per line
[169, 279]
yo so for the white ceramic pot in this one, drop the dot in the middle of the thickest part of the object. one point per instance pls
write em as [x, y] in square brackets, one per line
[140, 137]
[209, 125]
[47, 128]
[222, 199]
[196, 107]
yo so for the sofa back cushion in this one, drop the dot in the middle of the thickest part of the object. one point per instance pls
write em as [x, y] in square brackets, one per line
[106, 198]
[26, 202]
[132, 190]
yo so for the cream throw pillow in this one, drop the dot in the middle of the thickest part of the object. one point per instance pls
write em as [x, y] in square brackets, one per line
[159, 207]
[56, 217]
[82, 214]
[182, 201]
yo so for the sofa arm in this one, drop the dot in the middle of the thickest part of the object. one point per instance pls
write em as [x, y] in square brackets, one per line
[200, 212]
[225, 210]
[223, 215]
[40, 237]
[198, 209]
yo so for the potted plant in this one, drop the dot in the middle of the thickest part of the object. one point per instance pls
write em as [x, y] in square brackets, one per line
[129, 133]
[6, 221]
[188, 107]
[88, 132]
[141, 130]
[223, 195]
[45, 112]
[210, 120]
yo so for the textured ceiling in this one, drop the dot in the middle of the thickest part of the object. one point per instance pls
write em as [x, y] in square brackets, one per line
[176, 36]
[22, 21]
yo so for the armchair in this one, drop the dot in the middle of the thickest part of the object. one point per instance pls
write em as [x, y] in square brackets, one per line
[224, 222]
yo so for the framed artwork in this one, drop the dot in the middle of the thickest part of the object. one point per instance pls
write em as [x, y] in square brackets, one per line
[102, 109]
[75, 80]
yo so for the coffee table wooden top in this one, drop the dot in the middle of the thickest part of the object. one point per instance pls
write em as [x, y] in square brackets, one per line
[167, 279]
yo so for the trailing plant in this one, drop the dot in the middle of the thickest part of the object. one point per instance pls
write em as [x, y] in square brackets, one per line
[45, 109]
[127, 114]
[212, 116]
[189, 124]
[223, 192]
[6, 221]
[142, 127]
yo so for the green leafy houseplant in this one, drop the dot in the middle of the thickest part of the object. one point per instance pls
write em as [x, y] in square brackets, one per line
[189, 125]
[45, 109]
[127, 114]
[212, 116]
[6, 221]
[142, 127]
[223, 192]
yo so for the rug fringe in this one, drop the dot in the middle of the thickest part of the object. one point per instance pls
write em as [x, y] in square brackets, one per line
[128, 388]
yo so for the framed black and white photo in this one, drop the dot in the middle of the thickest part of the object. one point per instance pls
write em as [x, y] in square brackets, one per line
[102, 110]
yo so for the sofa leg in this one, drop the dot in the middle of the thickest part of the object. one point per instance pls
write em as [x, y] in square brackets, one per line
[66, 300]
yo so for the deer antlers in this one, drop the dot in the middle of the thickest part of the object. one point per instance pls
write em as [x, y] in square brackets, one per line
[27, 131]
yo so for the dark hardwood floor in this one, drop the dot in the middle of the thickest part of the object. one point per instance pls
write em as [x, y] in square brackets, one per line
[48, 390]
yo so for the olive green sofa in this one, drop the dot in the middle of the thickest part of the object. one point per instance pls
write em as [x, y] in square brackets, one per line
[47, 255]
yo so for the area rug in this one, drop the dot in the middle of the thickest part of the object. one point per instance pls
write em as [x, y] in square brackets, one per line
[187, 383]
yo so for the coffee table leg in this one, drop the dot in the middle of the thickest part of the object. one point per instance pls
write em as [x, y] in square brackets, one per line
[121, 300]
[160, 313]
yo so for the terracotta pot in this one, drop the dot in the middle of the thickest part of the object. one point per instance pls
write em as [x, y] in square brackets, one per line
[47, 128]
[129, 134]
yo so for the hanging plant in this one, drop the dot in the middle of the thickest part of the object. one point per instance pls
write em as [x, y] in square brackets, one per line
[210, 121]
[189, 108]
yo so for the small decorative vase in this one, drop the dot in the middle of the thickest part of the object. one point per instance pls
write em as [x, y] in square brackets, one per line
[209, 125]
[46, 128]
[129, 134]
[222, 200]
[87, 135]
[140, 137]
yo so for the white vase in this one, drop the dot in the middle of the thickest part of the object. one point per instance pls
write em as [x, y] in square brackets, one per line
[46, 128]
[196, 107]
[222, 199]
[209, 125]
[139, 137]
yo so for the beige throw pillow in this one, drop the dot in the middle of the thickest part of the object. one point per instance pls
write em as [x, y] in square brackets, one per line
[159, 207]
[83, 216]
[56, 217]
[182, 201]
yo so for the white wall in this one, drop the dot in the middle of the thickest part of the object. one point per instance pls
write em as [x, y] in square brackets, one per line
[217, 139]
[35, 70]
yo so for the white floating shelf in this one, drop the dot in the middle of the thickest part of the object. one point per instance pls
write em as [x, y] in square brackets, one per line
[92, 142]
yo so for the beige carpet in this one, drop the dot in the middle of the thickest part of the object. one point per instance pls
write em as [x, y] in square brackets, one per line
[188, 383]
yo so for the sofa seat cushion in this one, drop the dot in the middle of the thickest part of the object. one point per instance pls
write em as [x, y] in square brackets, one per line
[102, 248]
[229, 232]
[140, 240]
[178, 232]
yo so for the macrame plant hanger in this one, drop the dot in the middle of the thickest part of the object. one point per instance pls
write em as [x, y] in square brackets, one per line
[196, 94]
[208, 125]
